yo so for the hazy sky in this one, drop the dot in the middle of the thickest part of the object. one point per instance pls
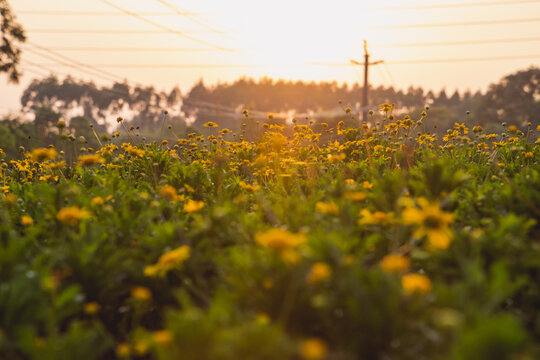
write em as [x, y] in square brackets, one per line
[279, 38]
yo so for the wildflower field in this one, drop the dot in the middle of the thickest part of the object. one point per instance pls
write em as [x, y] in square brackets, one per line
[308, 241]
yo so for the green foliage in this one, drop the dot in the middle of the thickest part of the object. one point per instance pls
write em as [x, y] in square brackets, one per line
[379, 244]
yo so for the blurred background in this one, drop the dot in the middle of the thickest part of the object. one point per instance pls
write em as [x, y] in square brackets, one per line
[206, 60]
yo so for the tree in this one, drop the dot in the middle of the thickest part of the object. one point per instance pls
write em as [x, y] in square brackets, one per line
[12, 33]
[515, 99]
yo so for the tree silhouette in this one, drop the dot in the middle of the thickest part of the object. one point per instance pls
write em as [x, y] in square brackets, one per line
[11, 33]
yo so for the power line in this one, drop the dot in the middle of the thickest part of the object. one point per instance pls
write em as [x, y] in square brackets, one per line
[389, 73]
[128, 49]
[110, 31]
[54, 72]
[36, 72]
[464, 23]
[71, 65]
[91, 67]
[93, 13]
[464, 42]
[224, 66]
[158, 25]
[40, 66]
[396, 45]
[191, 66]
[494, 58]
[458, 5]
[433, 61]
[187, 15]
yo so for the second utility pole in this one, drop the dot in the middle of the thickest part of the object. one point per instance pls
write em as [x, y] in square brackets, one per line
[366, 64]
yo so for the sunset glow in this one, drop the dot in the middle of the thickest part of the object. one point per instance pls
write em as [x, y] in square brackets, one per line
[169, 43]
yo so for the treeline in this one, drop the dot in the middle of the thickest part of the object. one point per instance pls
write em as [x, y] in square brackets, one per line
[515, 100]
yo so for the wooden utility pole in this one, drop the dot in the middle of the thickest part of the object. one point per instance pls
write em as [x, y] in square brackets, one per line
[366, 64]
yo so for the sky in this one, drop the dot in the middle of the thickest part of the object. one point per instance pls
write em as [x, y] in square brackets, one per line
[220, 41]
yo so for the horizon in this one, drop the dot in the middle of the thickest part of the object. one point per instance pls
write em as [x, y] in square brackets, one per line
[459, 45]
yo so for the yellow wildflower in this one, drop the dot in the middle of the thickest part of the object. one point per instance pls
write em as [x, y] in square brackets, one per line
[193, 206]
[72, 215]
[90, 160]
[327, 208]
[313, 349]
[528, 155]
[280, 240]
[416, 283]
[262, 319]
[26, 220]
[430, 221]
[250, 187]
[123, 350]
[169, 192]
[385, 107]
[141, 347]
[461, 127]
[43, 154]
[98, 200]
[376, 218]
[319, 272]
[168, 261]
[355, 195]
[162, 337]
[91, 308]
[141, 293]
[395, 263]
[210, 124]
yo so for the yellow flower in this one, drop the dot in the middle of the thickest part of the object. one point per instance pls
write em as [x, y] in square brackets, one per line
[385, 107]
[313, 349]
[430, 221]
[141, 347]
[528, 155]
[98, 200]
[319, 272]
[262, 319]
[26, 220]
[416, 283]
[123, 350]
[169, 192]
[395, 263]
[336, 158]
[43, 154]
[250, 187]
[90, 160]
[173, 259]
[91, 308]
[162, 337]
[72, 215]
[376, 218]
[461, 127]
[355, 195]
[193, 206]
[477, 129]
[367, 185]
[141, 293]
[327, 208]
[280, 240]
[210, 124]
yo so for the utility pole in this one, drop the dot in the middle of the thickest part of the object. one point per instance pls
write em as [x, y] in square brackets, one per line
[366, 64]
